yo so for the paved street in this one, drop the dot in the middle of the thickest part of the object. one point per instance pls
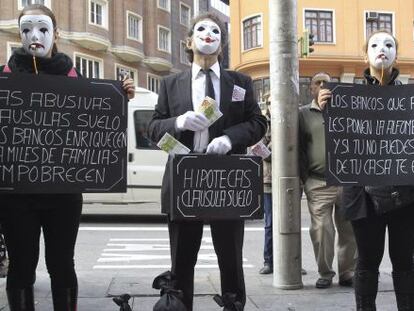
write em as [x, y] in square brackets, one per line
[114, 258]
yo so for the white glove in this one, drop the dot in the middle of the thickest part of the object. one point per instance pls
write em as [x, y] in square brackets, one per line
[219, 145]
[191, 120]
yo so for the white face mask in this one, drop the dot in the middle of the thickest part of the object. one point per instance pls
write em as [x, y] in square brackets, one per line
[37, 33]
[207, 37]
[382, 50]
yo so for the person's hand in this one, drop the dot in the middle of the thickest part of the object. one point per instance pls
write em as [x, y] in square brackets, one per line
[192, 121]
[128, 86]
[219, 145]
[323, 97]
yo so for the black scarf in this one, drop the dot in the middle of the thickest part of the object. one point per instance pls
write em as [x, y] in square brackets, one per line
[58, 64]
[373, 81]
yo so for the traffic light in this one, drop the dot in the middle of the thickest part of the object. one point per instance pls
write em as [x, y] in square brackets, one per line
[307, 42]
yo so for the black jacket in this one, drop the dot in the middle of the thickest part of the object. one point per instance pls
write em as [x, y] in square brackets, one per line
[242, 121]
[356, 200]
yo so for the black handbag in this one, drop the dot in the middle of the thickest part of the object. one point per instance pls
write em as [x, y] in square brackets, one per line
[386, 199]
[171, 298]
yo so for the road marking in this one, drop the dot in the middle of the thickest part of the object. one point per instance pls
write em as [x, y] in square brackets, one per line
[118, 267]
[250, 229]
[124, 252]
[144, 247]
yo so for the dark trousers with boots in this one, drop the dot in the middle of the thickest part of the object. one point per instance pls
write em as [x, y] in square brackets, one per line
[370, 239]
[57, 215]
[185, 241]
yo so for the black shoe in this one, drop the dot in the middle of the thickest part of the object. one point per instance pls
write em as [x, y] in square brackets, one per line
[267, 269]
[323, 283]
[346, 283]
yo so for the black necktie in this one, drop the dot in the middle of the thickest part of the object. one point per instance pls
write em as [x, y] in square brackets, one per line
[209, 91]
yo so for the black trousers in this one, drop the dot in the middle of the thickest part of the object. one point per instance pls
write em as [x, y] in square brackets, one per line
[58, 216]
[185, 241]
[370, 239]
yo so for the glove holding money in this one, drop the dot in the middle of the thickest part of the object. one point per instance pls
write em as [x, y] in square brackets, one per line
[192, 121]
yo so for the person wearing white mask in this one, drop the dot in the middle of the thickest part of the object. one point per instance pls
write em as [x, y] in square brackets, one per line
[373, 209]
[241, 125]
[25, 216]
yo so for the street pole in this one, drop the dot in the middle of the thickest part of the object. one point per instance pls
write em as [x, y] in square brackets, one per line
[284, 83]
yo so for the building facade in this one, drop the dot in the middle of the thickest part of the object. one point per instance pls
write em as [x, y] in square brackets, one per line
[339, 28]
[106, 37]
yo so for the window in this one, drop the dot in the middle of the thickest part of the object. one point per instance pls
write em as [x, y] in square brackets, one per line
[11, 47]
[220, 6]
[164, 39]
[185, 14]
[89, 67]
[164, 4]
[98, 13]
[260, 88]
[120, 71]
[320, 24]
[141, 120]
[23, 3]
[183, 53]
[378, 21]
[252, 32]
[153, 83]
[134, 26]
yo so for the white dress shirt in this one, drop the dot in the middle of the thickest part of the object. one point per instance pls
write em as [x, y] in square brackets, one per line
[198, 85]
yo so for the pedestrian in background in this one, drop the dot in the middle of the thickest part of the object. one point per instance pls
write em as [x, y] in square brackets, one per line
[57, 215]
[241, 125]
[267, 198]
[373, 209]
[323, 201]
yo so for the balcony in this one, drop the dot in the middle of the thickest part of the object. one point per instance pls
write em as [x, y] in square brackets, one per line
[158, 64]
[89, 41]
[127, 53]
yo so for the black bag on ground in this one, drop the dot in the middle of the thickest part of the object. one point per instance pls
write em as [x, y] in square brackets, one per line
[171, 298]
[122, 301]
[228, 301]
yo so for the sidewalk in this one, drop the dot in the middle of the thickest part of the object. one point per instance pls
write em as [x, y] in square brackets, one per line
[95, 293]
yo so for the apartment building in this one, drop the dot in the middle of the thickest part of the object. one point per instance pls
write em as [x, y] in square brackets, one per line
[339, 28]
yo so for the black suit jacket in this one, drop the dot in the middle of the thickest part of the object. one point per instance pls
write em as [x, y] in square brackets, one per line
[242, 121]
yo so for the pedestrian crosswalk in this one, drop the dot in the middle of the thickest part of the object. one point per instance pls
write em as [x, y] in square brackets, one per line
[151, 253]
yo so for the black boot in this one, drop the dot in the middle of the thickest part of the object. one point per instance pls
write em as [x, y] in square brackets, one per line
[404, 289]
[21, 299]
[366, 288]
[65, 299]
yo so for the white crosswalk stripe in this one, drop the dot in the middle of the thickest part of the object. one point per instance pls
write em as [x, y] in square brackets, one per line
[144, 253]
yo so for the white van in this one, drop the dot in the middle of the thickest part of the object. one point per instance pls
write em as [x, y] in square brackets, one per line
[146, 164]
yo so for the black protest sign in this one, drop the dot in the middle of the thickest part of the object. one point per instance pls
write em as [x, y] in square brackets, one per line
[61, 134]
[206, 187]
[369, 133]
